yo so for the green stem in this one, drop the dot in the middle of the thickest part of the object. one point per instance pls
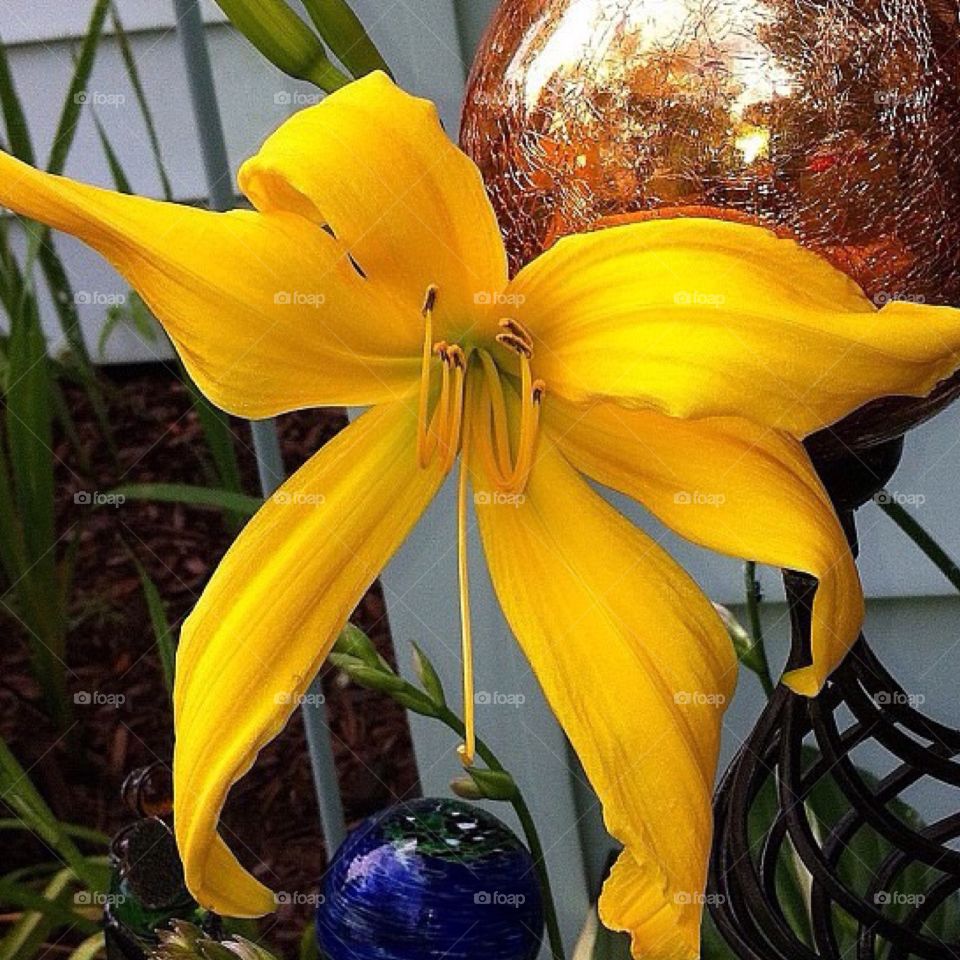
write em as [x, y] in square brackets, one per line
[934, 552]
[756, 627]
[447, 716]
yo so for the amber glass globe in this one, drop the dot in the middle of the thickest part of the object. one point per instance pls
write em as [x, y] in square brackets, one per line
[834, 121]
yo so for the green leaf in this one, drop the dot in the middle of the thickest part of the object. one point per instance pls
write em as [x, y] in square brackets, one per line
[191, 495]
[162, 631]
[77, 95]
[25, 940]
[74, 830]
[22, 897]
[135, 314]
[130, 63]
[18, 133]
[22, 797]
[119, 175]
[90, 948]
[218, 436]
[350, 43]
[285, 40]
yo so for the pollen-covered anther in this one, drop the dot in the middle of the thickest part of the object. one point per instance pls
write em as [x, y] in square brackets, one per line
[430, 300]
[439, 432]
[537, 391]
[515, 343]
[518, 331]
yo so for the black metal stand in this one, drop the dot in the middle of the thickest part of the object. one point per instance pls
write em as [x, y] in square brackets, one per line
[801, 743]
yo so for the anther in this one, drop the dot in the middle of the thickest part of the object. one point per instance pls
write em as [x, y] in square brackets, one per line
[516, 344]
[457, 357]
[518, 330]
[430, 300]
[538, 390]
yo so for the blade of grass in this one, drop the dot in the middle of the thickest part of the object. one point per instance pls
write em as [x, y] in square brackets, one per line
[162, 631]
[50, 263]
[90, 948]
[219, 437]
[77, 93]
[74, 830]
[920, 536]
[22, 797]
[113, 161]
[22, 897]
[18, 132]
[26, 938]
[133, 74]
[29, 439]
[192, 495]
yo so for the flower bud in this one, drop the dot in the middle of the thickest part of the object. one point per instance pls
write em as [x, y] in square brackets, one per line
[466, 788]
[285, 40]
[343, 31]
[353, 642]
[494, 784]
[429, 678]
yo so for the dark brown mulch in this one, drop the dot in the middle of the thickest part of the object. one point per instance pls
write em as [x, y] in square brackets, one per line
[111, 648]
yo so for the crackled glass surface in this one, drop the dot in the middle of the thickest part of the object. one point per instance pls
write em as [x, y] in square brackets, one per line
[836, 121]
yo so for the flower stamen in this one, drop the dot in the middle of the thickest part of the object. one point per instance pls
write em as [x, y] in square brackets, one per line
[445, 433]
[424, 451]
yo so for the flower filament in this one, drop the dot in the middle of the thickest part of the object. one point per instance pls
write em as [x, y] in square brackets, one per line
[450, 428]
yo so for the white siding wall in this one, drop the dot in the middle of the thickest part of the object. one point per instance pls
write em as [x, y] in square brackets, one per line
[914, 617]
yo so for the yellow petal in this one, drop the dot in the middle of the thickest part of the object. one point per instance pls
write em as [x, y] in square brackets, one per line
[374, 163]
[268, 618]
[701, 317]
[266, 311]
[734, 487]
[637, 668]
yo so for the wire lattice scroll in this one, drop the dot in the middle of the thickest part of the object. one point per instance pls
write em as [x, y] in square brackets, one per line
[874, 881]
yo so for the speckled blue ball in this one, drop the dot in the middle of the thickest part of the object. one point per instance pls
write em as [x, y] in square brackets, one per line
[429, 879]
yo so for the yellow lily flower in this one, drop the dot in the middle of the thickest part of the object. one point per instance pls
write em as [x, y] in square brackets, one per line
[679, 361]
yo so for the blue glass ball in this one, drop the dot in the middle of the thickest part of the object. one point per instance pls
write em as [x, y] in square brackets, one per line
[428, 879]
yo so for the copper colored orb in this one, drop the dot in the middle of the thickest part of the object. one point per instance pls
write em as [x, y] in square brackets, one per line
[835, 121]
